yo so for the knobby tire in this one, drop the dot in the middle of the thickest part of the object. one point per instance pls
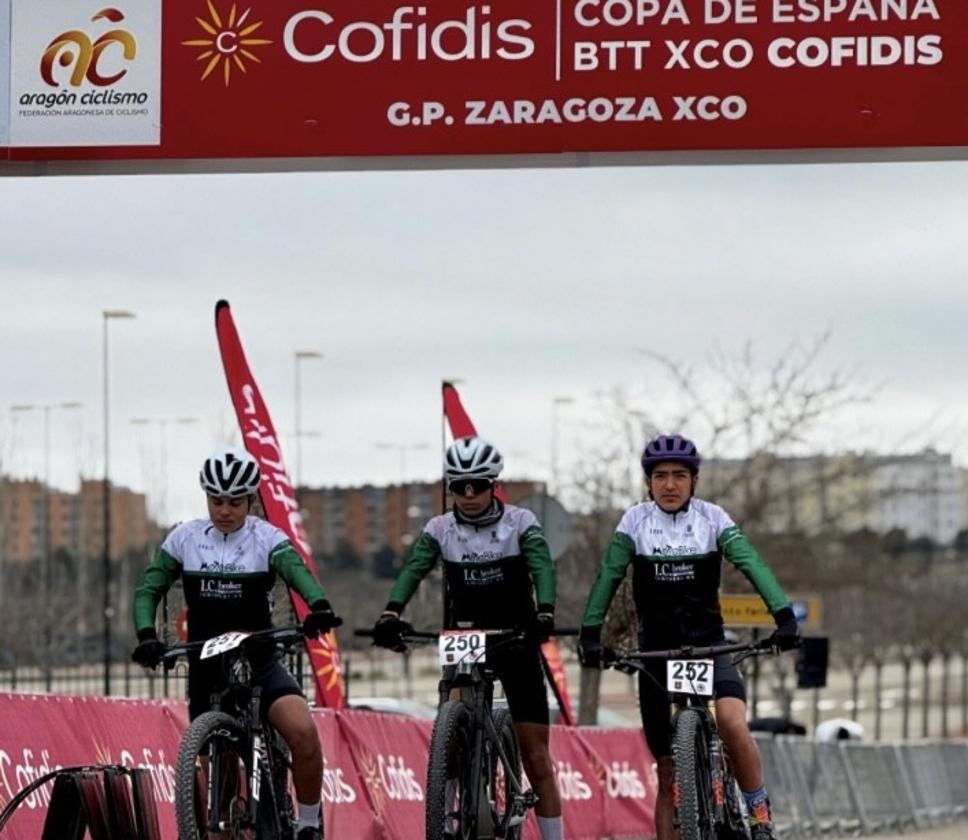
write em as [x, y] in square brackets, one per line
[191, 790]
[448, 772]
[693, 778]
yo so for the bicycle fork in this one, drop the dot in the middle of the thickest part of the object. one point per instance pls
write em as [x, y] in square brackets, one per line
[718, 777]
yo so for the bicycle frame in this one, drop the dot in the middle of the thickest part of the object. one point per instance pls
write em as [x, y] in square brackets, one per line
[264, 756]
[719, 773]
[475, 686]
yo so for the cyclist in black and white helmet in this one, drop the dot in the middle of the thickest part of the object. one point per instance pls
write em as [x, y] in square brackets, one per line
[499, 576]
[229, 563]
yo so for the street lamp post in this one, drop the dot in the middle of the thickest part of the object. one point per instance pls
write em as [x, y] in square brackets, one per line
[162, 422]
[298, 356]
[47, 560]
[402, 449]
[555, 403]
[107, 316]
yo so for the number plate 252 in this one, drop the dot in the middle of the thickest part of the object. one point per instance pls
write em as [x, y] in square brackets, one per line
[690, 676]
[459, 646]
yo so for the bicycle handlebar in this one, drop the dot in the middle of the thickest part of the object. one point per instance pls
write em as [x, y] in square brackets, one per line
[633, 661]
[691, 652]
[284, 636]
[433, 635]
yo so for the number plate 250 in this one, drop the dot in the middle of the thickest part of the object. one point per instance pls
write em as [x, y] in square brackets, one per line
[456, 646]
[690, 676]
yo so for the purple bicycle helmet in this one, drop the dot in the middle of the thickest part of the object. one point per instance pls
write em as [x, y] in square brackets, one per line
[670, 448]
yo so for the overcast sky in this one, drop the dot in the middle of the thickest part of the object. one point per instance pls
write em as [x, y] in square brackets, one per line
[526, 284]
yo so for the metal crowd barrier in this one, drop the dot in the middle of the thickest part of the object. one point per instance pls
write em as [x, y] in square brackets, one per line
[849, 788]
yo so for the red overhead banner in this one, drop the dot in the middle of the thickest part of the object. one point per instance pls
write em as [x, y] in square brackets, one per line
[215, 79]
[276, 493]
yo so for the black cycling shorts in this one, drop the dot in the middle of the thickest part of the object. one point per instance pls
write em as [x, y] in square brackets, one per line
[519, 669]
[205, 678]
[654, 699]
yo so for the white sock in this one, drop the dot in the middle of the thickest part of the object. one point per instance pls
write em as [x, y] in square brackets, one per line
[308, 816]
[551, 828]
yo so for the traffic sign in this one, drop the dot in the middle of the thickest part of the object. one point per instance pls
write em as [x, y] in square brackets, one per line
[750, 611]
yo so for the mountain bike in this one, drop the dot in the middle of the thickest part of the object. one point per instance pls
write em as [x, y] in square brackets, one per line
[474, 787]
[706, 797]
[232, 775]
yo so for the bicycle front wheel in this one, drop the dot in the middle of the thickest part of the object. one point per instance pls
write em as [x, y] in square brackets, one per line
[450, 809]
[214, 745]
[693, 778]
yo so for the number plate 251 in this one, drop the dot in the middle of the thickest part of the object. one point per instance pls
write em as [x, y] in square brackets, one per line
[690, 676]
[456, 646]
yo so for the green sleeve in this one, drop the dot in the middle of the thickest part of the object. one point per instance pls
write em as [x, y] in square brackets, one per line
[423, 557]
[738, 551]
[291, 568]
[155, 581]
[618, 555]
[537, 555]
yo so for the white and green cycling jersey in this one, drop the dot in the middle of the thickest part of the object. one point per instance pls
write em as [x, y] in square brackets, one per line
[228, 578]
[495, 573]
[676, 561]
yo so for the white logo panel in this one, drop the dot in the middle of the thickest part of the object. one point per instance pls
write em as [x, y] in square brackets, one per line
[84, 74]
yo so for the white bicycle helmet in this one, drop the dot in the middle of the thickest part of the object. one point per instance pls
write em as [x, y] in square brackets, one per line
[472, 457]
[230, 472]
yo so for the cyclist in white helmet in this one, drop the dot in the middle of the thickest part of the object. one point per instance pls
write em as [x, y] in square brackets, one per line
[499, 576]
[229, 563]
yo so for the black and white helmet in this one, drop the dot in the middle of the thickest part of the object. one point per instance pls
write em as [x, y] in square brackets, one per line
[472, 457]
[230, 472]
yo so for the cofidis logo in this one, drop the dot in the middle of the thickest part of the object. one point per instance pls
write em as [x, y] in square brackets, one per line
[93, 80]
[75, 48]
[228, 41]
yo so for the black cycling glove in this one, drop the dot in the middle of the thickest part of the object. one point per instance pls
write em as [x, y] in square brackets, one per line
[591, 651]
[321, 619]
[787, 633]
[149, 650]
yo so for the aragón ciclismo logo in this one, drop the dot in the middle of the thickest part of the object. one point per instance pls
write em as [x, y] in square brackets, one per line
[94, 63]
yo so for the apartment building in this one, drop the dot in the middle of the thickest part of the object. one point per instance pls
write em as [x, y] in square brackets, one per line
[923, 494]
[355, 525]
[76, 520]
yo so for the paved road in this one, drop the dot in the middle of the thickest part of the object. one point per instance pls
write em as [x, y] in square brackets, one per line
[958, 831]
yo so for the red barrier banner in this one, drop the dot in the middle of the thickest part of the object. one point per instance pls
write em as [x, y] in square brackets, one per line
[41, 734]
[582, 796]
[390, 753]
[374, 784]
[625, 772]
[174, 79]
[276, 493]
[347, 811]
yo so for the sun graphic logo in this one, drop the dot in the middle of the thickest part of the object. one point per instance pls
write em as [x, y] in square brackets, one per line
[373, 780]
[103, 752]
[75, 47]
[330, 672]
[229, 44]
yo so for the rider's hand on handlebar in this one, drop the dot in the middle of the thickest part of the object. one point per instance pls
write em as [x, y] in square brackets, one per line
[321, 619]
[591, 651]
[149, 652]
[787, 633]
[542, 626]
[388, 630]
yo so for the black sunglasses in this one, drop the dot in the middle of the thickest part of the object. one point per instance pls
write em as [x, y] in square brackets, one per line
[477, 486]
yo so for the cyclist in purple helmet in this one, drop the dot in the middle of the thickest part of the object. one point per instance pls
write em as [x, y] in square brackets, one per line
[675, 544]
